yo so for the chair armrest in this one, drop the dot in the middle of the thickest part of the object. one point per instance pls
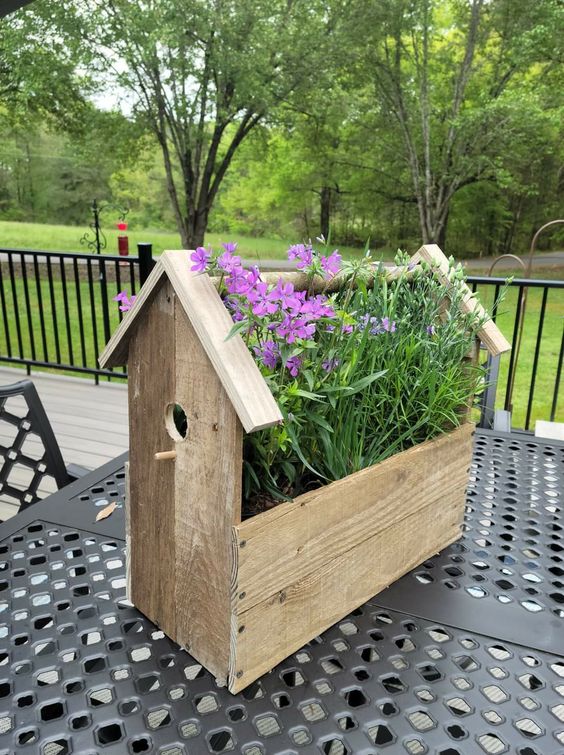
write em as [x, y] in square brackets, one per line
[75, 471]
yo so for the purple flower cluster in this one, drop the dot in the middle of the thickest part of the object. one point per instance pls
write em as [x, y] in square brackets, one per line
[306, 258]
[302, 253]
[290, 316]
[376, 325]
[125, 302]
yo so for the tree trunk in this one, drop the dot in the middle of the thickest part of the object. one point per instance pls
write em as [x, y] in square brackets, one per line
[325, 211]
[441, 235]
[196, 227]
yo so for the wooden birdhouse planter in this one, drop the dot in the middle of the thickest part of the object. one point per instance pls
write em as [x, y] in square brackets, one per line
[242, 596]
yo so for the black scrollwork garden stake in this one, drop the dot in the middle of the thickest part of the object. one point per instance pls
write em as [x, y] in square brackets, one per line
[94, 238]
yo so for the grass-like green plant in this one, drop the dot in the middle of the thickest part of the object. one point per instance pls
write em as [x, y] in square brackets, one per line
[377, 366]
[372, 369]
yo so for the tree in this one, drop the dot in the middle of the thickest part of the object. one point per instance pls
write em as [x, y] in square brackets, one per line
[445, 73]
[203, 74]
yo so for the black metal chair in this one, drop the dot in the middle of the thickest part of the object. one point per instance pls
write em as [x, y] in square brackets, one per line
[32, 449]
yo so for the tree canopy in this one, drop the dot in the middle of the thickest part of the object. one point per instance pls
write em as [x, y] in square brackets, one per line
[396, 120]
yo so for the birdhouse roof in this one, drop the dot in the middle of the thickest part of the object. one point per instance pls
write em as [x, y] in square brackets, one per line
[231, 359]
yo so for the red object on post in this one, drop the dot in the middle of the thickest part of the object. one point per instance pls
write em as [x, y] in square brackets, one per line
[123, 240]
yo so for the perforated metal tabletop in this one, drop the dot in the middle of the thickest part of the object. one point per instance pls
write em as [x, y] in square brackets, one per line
[463, 655]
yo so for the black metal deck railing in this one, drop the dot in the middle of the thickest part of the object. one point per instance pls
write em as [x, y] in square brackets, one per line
[537, 322]
[57, 308]
[57, 312]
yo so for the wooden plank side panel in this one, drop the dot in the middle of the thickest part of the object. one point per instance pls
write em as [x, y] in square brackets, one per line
[287, 542]
[231, 359]
[490, 335]
[151, 483]
[208, 501]
[280, 625]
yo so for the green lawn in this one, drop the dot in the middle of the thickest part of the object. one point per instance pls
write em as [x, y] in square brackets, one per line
[66, 238]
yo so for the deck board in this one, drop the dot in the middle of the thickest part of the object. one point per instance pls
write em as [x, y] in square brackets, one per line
[89, 421]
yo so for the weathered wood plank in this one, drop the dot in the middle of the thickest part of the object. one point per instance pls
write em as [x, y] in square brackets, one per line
[280, 625]
[152, 385]
[208, 501]
[295, 538]
[490, 335]
[231, 359]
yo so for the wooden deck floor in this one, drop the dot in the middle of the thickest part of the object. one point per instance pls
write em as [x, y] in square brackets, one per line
[89, 421]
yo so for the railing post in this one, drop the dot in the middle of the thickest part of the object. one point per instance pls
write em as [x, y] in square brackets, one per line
[146, 261]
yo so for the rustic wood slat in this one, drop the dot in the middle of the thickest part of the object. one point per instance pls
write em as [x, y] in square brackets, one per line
[319, 599]
[297, 537]
[231, 359]
[490, 335]
[152, 384]
[207, 502]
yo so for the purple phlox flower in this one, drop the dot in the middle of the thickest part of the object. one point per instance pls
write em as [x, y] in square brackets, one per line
[229, 246]
[293, 364]
[235, 307]
[228, 261]
[302, 253]
[316, 307]
[264, 301]
[377, 326]
[290, 300]
[125, 302]
[241, 281]
[269, 354]
[366, 320]
[330, 364]
[347, 329]
[200, 258]
[291, 328]
[431, 330]
[388, 326]
[331, 264]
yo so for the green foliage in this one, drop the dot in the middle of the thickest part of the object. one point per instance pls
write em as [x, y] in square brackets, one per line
[398, 121]
[384, 368]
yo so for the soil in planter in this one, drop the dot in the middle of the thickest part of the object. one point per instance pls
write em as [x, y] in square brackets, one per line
[261, 502]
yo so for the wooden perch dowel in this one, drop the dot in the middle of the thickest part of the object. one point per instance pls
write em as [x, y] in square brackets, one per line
[162, 455]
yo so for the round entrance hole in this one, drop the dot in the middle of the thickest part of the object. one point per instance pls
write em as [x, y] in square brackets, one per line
[176, 422]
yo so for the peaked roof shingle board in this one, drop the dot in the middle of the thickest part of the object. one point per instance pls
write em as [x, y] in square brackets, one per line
[234, 364]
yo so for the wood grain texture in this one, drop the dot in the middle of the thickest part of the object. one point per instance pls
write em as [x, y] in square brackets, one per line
[231, 359]
[490, 335]
[208, 484]
[152, 383]
[308, 563]
[281, 624]
[283, 544]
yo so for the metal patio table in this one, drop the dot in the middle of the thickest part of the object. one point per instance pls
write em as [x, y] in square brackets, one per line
[463, 655]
